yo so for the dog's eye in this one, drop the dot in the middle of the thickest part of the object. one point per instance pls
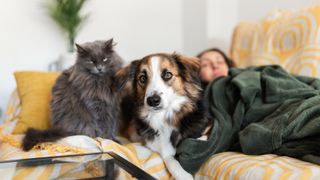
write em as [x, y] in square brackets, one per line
[143, 79]
[90, 61]
[167, 76]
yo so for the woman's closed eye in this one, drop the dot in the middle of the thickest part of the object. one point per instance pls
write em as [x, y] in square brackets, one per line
[221, 61]
[204, 65]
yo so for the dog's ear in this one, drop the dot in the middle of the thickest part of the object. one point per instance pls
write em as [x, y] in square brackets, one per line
[125, 75]
[189, 67]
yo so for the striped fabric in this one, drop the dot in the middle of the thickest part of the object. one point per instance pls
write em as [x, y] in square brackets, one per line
[231, 165]
[288, 38]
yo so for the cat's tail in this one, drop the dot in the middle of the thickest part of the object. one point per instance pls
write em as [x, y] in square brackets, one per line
[35, 136]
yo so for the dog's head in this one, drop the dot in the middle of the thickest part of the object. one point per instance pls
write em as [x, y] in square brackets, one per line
[161, 82]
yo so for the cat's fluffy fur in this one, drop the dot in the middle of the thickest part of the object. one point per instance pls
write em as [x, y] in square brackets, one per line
[83, 99]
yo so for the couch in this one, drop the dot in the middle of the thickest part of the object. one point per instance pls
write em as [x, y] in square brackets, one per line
[288, 38]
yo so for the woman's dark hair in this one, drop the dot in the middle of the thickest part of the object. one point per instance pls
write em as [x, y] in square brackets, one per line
[227, 60]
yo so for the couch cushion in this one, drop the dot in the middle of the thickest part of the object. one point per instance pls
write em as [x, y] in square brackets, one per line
[288, 38]
[34, 89]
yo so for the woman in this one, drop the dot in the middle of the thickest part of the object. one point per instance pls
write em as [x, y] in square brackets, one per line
[214, 63]
[256, 110]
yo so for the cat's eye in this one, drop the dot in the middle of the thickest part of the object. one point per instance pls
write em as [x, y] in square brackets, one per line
[90, 62]
[167, 76]
[105, 59]
[143, 79]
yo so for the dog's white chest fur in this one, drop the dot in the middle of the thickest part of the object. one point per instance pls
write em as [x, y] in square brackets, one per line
[158, 121]
[162, 143]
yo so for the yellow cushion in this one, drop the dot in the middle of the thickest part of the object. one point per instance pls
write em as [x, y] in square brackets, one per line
[34, 90]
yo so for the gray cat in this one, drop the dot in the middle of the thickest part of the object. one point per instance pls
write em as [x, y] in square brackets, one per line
[83, 98]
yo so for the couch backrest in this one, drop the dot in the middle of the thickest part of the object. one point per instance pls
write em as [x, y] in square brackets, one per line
[288, 38]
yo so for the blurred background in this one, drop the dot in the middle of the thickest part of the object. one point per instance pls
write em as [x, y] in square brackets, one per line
[31, 40]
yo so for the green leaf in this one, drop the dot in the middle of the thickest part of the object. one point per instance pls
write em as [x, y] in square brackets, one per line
[67, 14]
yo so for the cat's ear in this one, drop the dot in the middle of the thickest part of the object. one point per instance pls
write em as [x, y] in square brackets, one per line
[81, 50]
[126, 75]
[109, 45]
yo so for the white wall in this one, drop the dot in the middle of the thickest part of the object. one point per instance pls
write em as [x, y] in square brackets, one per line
[221, 19]
[255, 10]
[29, 40]
[194, 17]
[140, 27]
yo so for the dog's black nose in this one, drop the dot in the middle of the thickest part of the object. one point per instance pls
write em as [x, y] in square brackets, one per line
[154, 100]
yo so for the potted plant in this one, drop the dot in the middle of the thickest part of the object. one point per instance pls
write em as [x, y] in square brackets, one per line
[66, 14]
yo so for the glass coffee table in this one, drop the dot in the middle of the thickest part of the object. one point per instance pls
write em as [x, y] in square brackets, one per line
[103, 165]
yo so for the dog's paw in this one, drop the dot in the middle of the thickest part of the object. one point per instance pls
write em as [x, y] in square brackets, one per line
[184, 176]
[203, 138]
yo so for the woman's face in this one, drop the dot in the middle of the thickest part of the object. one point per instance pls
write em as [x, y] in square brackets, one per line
[213, 65]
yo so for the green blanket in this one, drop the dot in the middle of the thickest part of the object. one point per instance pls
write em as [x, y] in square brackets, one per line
[256, 111]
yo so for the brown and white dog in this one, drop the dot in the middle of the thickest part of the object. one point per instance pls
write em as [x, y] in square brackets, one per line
[165, 104]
